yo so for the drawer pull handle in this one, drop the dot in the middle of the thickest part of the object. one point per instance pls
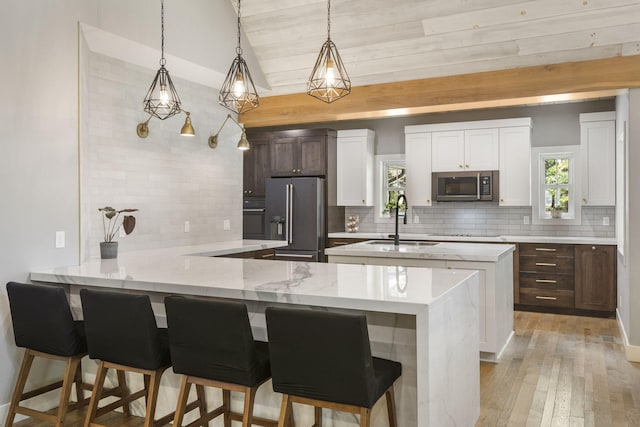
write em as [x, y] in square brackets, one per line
[546, 281]
[546, 249]
[268, 255]
[338, 243]
[546, 264]
[549, 298]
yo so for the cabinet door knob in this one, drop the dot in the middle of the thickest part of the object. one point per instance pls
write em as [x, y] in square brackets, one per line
[593, 248]
[294, 171]
[250, 191]
[502, 200]
[363, 201]
[460, 166]
[584, 200]
[299, 170]
[466, 166]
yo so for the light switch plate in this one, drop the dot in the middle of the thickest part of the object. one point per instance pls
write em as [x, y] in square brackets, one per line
[187, 226]
[59, 239]
[227, 224]
[605, 220]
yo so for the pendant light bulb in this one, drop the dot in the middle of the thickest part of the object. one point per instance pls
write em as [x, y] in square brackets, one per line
[238, 87]
[330, 73]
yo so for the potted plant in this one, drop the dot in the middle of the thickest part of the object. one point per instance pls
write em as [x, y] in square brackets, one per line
[111, 227]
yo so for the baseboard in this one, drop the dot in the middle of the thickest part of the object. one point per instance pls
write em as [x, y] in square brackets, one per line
[631, 351]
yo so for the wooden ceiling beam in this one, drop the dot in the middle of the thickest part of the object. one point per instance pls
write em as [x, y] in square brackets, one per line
[517, 86]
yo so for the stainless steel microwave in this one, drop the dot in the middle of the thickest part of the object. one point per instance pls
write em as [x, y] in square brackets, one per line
[465, 186]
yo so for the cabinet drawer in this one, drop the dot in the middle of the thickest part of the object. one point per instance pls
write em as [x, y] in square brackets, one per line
[555, 265]
[547, 298]
[546, 281]
[544, 249]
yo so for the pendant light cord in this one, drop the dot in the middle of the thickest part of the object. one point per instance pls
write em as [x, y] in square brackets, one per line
[162, 60]
[239, 49]
[328, 19]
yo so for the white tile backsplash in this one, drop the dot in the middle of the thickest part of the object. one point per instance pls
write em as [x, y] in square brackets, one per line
[169, 178]
[486, 219]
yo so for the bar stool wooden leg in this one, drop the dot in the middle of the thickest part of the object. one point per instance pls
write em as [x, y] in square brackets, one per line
[124, 391]
[291, 421]
[365, 417]
[202, 403]
[27, 361]
[78, 382]
[182, 401]
[285, 407]
[317, 416]
[249, 398]
[101, 374]
[152, 397]
[226, 402]
[391, 407]
[65, 392]
[146, 387]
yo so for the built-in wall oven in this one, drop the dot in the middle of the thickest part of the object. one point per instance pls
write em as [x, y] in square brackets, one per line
[465, 186]
[253, 224]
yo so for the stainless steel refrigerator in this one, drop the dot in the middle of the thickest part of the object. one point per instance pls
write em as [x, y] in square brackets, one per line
[295, 212]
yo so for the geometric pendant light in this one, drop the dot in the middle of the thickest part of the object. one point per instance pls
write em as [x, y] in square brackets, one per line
[329, 80]
[238, 93]
[162, 100]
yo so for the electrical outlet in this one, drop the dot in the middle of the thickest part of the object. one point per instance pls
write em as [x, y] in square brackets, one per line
[227, 224]
[526, 220]
[605, 220]
[187, 226]
[59, 239]
[416, 219]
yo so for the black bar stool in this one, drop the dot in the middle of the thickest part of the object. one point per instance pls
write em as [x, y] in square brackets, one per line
[43, 325]
[323, 359]
[212, 345]
[122, 333]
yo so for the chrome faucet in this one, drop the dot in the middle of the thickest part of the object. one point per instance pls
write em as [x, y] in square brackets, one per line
[396, 237]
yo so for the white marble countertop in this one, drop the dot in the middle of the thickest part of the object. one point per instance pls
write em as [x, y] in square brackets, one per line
[192, 270]
[490, 252]
[492, 239]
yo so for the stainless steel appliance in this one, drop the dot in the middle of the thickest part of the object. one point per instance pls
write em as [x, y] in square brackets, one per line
[465, 186]
[295, 212]
[253, 219]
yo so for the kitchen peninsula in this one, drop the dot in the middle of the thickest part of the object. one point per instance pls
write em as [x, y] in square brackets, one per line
[424, 318]
[494, 263]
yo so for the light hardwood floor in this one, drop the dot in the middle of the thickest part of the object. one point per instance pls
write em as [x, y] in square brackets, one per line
[557, 371]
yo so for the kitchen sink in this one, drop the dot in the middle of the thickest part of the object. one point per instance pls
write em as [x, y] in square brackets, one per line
[402, 242]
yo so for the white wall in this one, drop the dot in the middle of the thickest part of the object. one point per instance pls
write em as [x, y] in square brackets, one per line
[39, 134]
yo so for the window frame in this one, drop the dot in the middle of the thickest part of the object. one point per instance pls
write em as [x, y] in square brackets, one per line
[574, 209]
[381, 161]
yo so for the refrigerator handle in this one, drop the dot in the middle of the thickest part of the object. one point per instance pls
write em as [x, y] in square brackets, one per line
[289, 215]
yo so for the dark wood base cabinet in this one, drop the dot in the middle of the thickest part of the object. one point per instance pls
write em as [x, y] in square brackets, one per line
[572, 279]
[595, 277]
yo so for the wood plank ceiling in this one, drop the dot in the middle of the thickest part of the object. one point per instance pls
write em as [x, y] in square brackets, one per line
[383, 41]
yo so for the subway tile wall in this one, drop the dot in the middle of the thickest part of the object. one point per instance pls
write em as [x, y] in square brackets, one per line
[169, 178]
[486, 219]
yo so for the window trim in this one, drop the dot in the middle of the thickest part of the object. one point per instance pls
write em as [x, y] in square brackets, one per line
[538, 155]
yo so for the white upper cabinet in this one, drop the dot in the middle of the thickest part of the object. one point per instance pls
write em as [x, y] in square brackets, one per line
[598, 153]
[465, 149]
[481, 149]
[418, 167]
[355, 173]
[448, 151]
[515, 166]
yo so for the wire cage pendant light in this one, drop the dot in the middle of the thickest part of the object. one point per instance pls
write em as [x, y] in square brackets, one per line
[329, 80]
[238, 93]
[162, 100]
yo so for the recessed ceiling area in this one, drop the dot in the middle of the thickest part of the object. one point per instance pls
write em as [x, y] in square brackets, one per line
[383, 41]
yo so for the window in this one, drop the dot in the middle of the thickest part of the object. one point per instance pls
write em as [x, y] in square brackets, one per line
[556, 185]
[392, 179]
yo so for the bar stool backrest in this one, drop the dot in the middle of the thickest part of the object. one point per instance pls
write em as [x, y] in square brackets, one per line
[42, 320]
[121, 328]
[211, 339]
[321, 355]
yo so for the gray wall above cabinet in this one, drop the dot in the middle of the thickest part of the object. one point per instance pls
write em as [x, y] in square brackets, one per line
[553, 124]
